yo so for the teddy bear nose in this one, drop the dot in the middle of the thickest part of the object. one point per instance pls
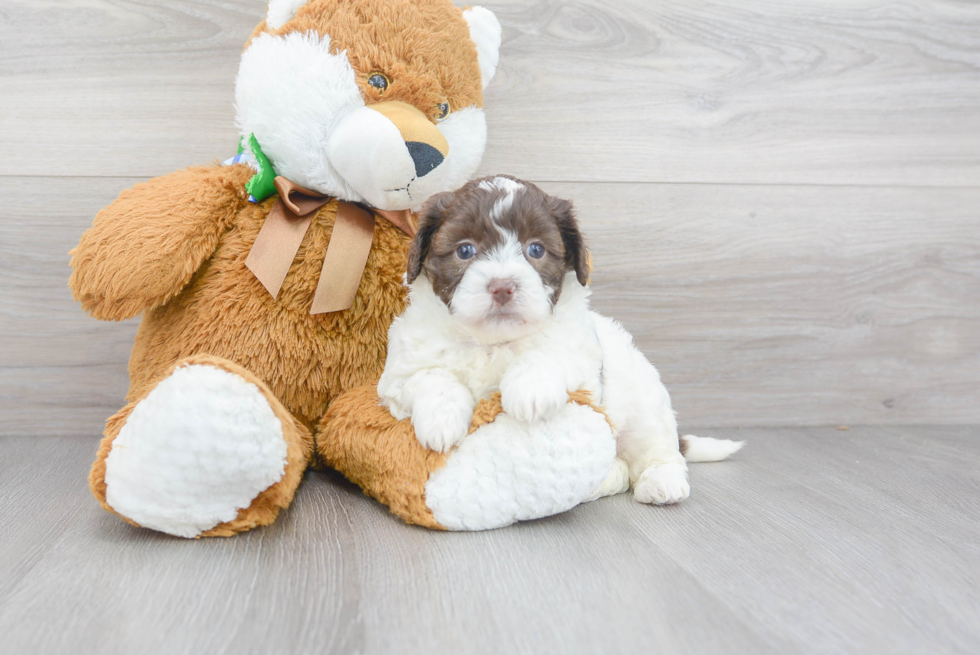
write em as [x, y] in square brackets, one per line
[425, 157]
[502, 290]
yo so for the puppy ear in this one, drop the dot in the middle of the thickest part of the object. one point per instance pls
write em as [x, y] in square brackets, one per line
[430, 218]
[576, 255]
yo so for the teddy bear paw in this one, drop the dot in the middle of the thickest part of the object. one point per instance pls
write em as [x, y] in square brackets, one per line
[196, 450]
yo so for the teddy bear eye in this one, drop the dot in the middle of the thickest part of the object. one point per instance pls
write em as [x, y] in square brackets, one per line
[442, 110]
[535, 251]
[379, 81]
[466, 251]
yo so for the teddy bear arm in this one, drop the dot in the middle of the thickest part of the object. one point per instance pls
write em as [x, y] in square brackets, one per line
[146, 246]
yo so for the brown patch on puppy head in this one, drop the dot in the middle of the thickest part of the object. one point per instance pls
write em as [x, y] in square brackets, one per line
[485, 213]
[422, 47]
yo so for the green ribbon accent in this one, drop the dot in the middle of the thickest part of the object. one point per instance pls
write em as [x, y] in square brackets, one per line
[262, 185]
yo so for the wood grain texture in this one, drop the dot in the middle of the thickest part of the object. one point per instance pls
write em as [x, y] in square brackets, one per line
[810, 541]
[795, 305]
[738, 91]
[59, 369]
[759, 305]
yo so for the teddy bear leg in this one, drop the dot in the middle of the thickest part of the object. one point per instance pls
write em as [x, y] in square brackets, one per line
[359, 438]
[209, 451]
[504, 471]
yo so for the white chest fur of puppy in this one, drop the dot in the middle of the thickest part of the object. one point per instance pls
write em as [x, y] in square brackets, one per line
[498, 301]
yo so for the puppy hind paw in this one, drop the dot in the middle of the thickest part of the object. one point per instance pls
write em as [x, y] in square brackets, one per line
[529, 398]
[662, 484]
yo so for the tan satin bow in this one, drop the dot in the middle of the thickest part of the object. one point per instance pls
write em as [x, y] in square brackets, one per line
[282, 234]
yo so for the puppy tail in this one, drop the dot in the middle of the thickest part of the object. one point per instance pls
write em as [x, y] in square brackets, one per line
[707, 449]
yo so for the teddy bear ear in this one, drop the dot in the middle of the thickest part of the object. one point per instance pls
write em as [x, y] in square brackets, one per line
[485, 33]
[282, 11]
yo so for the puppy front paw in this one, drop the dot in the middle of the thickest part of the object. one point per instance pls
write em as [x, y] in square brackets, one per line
[441, 420]
[662, 484]
[529, 396]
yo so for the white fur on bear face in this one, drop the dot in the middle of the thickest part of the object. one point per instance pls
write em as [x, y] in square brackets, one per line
[308, 115]
[291, 92]
[368, 151]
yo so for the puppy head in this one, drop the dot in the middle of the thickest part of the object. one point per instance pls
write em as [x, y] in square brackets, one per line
[497, 253]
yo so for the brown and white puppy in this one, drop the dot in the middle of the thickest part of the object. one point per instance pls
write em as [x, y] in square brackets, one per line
[497, 252]
[498, 301]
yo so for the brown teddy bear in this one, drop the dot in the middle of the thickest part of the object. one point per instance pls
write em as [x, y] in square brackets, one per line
[267, 286]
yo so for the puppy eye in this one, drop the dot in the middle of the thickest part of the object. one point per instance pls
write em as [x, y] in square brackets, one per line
[466, 251]
[442, 110]
[535, 251]
[379, 81]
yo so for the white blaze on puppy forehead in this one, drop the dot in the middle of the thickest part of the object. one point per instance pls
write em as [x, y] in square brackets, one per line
[509, 187]
[508, 252]
[501, 184]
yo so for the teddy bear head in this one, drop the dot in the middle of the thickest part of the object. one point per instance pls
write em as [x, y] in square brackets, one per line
[373, 101]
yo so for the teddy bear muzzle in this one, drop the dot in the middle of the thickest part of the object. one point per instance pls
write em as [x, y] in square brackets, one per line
[390, 153]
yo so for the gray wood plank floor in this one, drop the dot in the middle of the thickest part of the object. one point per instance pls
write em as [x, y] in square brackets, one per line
[812, 540]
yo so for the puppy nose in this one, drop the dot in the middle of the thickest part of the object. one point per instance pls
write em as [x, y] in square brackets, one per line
[426, 157]
[501, 290]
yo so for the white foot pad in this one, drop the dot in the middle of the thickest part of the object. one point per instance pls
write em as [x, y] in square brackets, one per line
[510, 471]
[663, 484]
[200, 447]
